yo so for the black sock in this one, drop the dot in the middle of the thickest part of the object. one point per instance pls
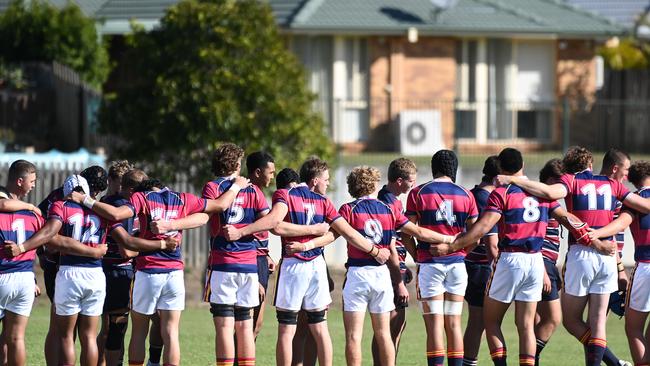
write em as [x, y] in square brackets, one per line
[609, 358]
[540, 347]
[154, 353]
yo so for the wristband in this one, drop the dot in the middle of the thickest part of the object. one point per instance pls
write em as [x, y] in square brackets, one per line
[234, 187]
[620, 267]
[376, 254]
[163, 245]
[371, 249]
[21, 248]
[88, 202]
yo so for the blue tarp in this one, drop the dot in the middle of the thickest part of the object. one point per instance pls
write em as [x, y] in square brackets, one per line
[55, 159]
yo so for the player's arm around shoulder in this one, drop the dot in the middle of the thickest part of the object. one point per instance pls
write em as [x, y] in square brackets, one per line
[267, 222]
[67, 245]
[550, 192]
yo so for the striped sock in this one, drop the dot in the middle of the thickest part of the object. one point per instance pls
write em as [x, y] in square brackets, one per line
[526, 360]
[499, 356]
[468, 361]
[609, 358]
[595, 350]
[249, 361]
[455, 358]
[540, 347]
[225, 361]
[136, 363]
[435, 358]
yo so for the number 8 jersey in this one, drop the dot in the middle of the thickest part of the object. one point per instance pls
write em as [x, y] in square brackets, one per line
[592, 198]
[444, 207]
[524, 218]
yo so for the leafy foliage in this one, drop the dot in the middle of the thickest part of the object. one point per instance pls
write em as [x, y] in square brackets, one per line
[39, 31]
[626, 54]
[213, 71]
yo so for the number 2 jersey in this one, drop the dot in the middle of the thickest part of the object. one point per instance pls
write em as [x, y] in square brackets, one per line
[249, 204]
[443, 207]
[592, 198]
[524, 218]
[82, 224]
[17, 227]
[375, 221]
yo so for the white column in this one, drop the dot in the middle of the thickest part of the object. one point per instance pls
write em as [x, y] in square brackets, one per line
[481, 92]
[339, 87]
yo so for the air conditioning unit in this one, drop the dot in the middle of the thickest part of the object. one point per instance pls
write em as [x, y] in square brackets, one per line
[420, 132]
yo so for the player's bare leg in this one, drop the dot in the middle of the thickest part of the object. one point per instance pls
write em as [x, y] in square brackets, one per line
[139, 331]
[493, 313]
[597, 344]
[13, 328]
[453, 328]
[397, 326]
[258, 313]
[573, 308]
[434, 324]
[101, 341]
[283, 349]
[245, 341]
[224, 327]
[353, 323]
[381, 328]
[65, 330]
[169, 329]
[88, 339]
[323, 340]
[473, 332]
[52, 341]
[549, 316]
[636, 335]
[525, 322]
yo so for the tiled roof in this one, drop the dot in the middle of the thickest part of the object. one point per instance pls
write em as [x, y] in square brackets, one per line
[624, 12]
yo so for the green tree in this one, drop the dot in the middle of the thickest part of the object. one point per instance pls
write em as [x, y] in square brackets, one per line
[38, 31]
[213, 71]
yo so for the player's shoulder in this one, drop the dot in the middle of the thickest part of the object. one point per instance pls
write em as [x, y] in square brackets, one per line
[644, 192]
[385, 195]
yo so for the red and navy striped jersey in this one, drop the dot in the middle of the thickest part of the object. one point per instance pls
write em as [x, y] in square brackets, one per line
[44, 206]
[524, 218]
[479, 253]
[620, 236]
[387, 197]
[262, 241]
[162, 205]
[81, 224]
[443, 207]
[592, 198]
[640, 229]
[17, 227]
[375, 221]
[113, 256]
[249, 204]
[305, 208]
[551, 246]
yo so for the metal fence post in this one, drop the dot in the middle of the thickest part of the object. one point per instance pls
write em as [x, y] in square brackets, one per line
[565, 124]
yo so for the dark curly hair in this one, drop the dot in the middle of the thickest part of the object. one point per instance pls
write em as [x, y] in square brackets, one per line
[444, 162]
[148, 185]
[577, 159]
[490, 168]
[285, 177]
[551, 171]
[97, 178]
[639, 171]
[226, 159]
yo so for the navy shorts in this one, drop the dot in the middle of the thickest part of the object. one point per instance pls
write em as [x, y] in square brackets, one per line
[478, 275]
[118, 288]
[556, 281]
[263, 270]
[49, 277]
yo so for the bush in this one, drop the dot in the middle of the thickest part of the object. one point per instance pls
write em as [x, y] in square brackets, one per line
[213, 71]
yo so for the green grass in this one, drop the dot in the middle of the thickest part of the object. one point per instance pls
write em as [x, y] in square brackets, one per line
[197, 339]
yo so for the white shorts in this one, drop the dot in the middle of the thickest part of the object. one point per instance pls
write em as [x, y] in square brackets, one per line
[368, 287]
[589, 272]
[638, 296]
[80, 290]
[158, 291]
[437, 278]
[17, 293]
[517, 277]
[233, 288]
[302, 285]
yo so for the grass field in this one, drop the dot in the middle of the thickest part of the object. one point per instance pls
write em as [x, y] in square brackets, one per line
[197, 339]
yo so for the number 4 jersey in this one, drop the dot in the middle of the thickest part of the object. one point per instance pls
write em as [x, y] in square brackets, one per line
[443, 207]
[239, 255]
[524, 218]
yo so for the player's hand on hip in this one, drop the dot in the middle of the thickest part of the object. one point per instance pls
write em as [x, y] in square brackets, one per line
[172, 243]
[37, 291]
[546, 284]
[160, 226]
[622, 280]
[11, 248]
[382, 255]
[272, 264]
[439, 249]
[231, 233]
[402, 293]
